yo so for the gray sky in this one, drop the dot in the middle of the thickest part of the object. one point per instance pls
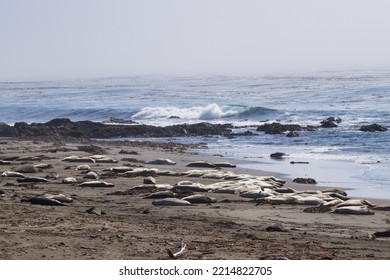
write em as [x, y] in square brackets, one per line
[91, 38]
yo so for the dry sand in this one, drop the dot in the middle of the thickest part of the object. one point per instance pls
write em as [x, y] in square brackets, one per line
[133, 228]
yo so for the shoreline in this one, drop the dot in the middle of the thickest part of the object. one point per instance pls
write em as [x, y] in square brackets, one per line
[129, 227]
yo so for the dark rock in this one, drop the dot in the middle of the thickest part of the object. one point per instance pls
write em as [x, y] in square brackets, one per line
[63, 128]
[292, 134]
[59, 122]
[119, 121]
[278, 128]
[330, 122]
[277, 155]
[174, 117]
[373, 128]
[299, 162]
[305, 181]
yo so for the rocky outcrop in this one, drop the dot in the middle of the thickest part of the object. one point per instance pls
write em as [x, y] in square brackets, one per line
[278, 128]
[330, 122]
[88, 129]
[373, 128]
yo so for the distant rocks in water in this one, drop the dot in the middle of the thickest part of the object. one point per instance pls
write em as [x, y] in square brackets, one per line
[299, 162]
[304, 181]
[373, 128]
[174, 117]
[278, 128]
[87, 129]
[330, 122]
[277, 155]
[119, 121]
[292, 134]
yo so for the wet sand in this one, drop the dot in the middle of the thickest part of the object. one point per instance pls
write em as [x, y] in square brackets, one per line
[133, 228]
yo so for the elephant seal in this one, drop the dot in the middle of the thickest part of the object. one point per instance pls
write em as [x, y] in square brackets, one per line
[83, 167]
[96, 184]
[32, 180]
[69, 180]
[356, 202]
[91, 175]
[43, 201]
[188, 185]
[150, 180]
[200, 198]
[28, 168]
[59, 196]
[225, 164]
[12, 174]
[162, 161]
[103, 159]
[255, 194]
[201, 164]
[171, 202]
[354, 210]
[160, 194]
[279, 200]
[382, 208]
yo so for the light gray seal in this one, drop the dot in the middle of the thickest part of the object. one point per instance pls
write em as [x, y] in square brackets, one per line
[171, 202]
[97, 184]
[354, 210]
[200, 198]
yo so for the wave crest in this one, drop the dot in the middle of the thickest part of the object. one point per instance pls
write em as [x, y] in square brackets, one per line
[209, 112]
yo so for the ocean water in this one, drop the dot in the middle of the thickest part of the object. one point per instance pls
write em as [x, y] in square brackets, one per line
[342, 156]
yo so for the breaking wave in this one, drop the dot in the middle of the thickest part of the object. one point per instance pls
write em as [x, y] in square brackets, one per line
[208, 112]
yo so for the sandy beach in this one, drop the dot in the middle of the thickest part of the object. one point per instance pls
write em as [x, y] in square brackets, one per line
[124, 226]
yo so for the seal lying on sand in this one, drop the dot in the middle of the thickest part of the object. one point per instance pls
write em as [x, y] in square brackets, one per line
[171, 202]
[161, 194]
[32, 180]
[43, 201]
[354, 210]
[97, 184]
[162, 161]
[12, 174]
[200, 198]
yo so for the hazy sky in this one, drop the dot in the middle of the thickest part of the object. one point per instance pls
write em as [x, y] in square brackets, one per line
[91, 38]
